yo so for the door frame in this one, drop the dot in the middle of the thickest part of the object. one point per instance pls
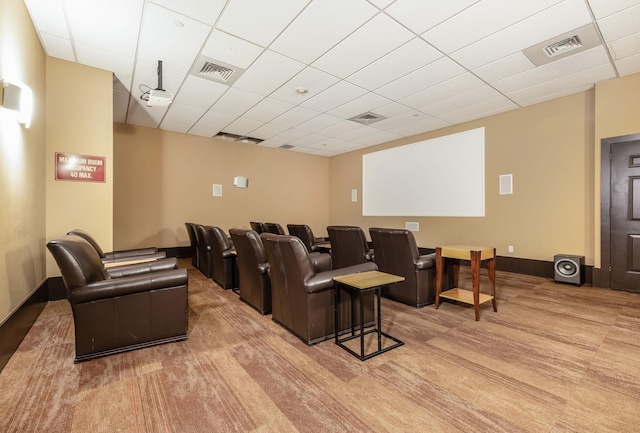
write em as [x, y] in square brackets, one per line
[605, 205]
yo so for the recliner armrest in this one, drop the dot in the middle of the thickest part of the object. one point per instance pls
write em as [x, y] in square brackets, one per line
[141, 268]
[324, 280]
[112, 287]
[321, 261]
[427, 261]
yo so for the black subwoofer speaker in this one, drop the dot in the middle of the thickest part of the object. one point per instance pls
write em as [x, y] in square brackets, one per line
[569, 269]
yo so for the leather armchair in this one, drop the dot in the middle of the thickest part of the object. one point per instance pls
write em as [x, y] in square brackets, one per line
[348, 246]
[205, 263]
[223, 258]
[253, 270]
[257, 227]
[396, 252]
[113, 315]
[193, 240]
[119, 256]
[302, 298]
[304, 233]
[274, 228]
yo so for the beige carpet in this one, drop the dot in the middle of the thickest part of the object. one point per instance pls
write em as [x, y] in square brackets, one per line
[555, 358]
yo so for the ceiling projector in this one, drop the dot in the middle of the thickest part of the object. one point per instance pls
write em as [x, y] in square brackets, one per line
[159, 98]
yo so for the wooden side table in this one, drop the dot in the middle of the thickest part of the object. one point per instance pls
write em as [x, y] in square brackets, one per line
[476, 255]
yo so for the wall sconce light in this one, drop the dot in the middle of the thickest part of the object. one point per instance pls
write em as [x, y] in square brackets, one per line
[18, 99]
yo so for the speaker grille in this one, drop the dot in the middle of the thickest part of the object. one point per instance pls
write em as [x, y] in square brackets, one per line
[567, 268]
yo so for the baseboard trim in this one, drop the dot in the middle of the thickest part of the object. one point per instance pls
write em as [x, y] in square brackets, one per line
[16, 327]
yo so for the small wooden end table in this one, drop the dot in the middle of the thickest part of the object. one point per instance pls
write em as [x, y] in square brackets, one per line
[359, 284]
[476, 255]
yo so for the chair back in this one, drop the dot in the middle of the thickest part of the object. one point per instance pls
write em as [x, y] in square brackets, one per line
[274, 228]
[257, 227]
[304, 233]
[193, 240]
[223, 261]
[86, 236]
[78, 261]
[254, 284]
[204, 250]
[348, 246]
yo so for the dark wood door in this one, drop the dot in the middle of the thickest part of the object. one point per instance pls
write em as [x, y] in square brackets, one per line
[625, 216]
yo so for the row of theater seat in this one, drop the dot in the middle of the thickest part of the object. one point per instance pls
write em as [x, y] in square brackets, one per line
[288, 276]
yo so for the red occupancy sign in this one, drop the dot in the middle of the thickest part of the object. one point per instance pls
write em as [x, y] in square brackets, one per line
[81, 168]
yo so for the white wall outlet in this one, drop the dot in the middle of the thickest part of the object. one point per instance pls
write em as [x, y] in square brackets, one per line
[412, 226]
[510, 248]
[354, 195]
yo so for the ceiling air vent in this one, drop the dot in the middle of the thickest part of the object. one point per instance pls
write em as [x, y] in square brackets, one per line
[215, 70]
[564, 45]
[286, 146]
[367, 118]
[241, 138]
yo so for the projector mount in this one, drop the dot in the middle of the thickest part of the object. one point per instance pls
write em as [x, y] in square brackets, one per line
[157, 97]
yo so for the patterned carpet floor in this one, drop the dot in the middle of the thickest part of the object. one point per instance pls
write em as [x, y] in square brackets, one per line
[554, 358]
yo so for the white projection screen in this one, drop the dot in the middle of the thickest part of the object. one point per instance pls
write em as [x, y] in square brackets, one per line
[439, 177]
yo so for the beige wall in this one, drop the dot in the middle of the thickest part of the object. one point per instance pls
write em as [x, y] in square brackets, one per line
[22, 163]
[164, 179]
[79, 121]
[546, 147]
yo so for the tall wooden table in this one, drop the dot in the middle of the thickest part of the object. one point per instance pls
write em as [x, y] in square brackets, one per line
[475, 254]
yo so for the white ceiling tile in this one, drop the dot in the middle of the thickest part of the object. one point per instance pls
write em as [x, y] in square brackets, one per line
[350, 55]
[345, 147]
[231, 50]
[377, 137]
[321, 26]
[341, 127]
[294, 117]
[393, 109]
[242, 126]
[307, 140]
[356, 134]
[266, 131]
[625, 47]
[121, 103]
[485, 18]
[560, 85]
[430, 124]
[178, 113]
[405, 59]
[259, 22]
[441, 70]
[206, 11]
[211, 123]
[542, 96]
[236, 102]
[409, 117]
[620, 24]
[420, 15]
[318, 123]
[556, 20]
[284, 138]
[268, 73]
[454, 102]
[447, 89]
[121, 66]
[268, 109]
[162, 39]
[58, 47]
[367, 102]
[336, 95]
[603, 8]
[504, 67]
[146, 116]
[483, 108]
[48, 17]
[313, 80]
[120, 19]
[198, 92]
[628, 65]
[381, 3]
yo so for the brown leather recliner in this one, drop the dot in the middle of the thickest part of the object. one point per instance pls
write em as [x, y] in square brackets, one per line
[253, 270]
[257, 227]
[193, 241]
[302, 298]
[119, 256]
[274, 228]
[348, 246]
[223, 259]
[305, 234]
[113, 315]
[205, 263]
[396, 253]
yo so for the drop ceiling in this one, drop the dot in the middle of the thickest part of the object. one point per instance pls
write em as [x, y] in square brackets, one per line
[306, 67]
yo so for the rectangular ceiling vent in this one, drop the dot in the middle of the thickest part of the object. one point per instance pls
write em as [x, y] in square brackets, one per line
[215, 70]
[564, 45]
[286, 146]
[234, 137]
[367, 118]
